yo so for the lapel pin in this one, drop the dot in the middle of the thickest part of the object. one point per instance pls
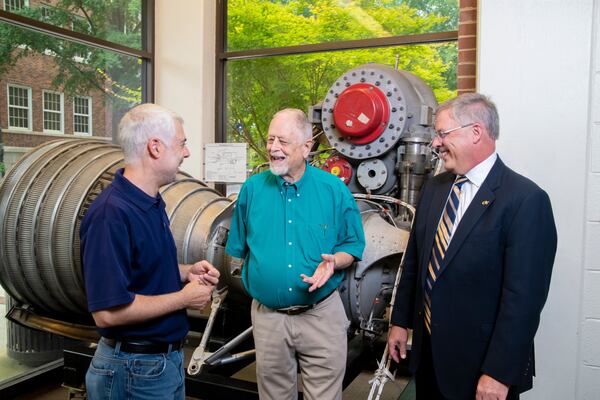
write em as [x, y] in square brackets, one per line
[485, 202]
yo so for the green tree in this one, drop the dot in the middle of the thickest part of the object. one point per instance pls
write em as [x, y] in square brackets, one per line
[450, 10]
[447, 8]
[257, 88]
[81, 68]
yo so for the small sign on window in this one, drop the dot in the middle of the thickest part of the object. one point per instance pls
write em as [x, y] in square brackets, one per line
[225, 162]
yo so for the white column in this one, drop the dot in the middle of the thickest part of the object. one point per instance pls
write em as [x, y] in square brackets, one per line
[185, 70]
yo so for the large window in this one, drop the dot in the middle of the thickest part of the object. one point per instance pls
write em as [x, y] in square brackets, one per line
[19, 107]
[82, 115]
[287, 53]
[277, 23]
[68, 67]
[120, 22]
[53, 103]
[71, 67]
[59, 79]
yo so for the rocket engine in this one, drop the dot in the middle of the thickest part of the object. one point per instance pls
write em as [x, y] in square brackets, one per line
[376, 120]
[379, 121]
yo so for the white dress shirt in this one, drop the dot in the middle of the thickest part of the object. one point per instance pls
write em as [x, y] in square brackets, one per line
[475, 176]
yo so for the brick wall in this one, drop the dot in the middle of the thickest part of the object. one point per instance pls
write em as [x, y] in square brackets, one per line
[37, 71]
[467, 47]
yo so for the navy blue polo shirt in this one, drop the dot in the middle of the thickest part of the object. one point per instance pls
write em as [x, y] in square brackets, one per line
[281, 229]
[126, 249]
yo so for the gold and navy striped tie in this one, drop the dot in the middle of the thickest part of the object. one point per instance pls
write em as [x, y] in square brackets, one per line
[440, 244]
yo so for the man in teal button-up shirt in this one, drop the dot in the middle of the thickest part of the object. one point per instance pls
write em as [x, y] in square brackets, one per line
[296, 227]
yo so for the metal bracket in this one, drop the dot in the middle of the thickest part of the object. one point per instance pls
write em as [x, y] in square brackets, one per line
[222, 356]
[200, 354]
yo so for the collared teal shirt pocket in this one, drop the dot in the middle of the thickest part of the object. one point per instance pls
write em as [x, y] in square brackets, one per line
[320, 239]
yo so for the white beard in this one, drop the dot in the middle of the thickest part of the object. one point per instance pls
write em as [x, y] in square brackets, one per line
[279, 170]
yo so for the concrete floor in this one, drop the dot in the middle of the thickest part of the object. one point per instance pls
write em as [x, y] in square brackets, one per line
[358, 389]
[55, 392]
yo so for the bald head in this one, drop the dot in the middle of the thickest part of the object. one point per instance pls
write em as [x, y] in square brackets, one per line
[298, 122]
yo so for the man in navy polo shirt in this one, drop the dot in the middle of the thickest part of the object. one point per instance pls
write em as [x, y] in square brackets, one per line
[133, 281]
[296, 227]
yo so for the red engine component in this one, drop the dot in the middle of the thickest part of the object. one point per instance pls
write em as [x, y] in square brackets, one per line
[339, 167]
[361, 113]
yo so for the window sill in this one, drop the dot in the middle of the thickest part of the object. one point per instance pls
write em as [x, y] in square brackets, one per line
[58, 135]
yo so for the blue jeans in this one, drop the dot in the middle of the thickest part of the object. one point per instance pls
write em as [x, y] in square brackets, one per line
[116, 375]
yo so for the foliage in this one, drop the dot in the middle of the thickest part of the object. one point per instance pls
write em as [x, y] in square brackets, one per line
[81, 68]
[257, 88]
[2, 168]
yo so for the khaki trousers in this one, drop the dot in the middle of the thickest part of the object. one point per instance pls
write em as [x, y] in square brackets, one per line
[316, 340]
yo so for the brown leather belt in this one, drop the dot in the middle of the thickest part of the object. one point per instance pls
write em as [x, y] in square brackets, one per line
[143, 346]
[295, 310]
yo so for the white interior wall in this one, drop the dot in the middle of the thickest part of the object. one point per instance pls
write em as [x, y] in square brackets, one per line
[185, 70]
[534, 60]
[588, 379]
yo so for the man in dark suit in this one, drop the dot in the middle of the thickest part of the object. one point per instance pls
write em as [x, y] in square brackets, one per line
[477, 266]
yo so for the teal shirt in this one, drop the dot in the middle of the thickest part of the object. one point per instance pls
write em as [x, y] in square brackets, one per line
[280, 231]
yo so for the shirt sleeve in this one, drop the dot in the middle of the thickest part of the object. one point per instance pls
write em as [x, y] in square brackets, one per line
[106, 258]
[236, 241]
[351, 238]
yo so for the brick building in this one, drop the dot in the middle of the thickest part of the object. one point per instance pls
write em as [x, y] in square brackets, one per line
[32, 111]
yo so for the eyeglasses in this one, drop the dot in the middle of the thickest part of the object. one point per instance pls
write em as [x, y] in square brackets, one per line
[443, 134]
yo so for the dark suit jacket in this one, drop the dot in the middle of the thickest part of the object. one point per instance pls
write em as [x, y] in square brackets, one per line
[494, 281]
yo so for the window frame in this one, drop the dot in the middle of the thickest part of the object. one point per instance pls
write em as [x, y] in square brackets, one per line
[147, 54]
[62, 111]
[25, 4]
[90, 116]
[46, 8]
[29, 108]
[223, 56]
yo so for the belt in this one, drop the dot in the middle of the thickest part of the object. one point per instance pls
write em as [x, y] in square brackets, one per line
[143, 346]
[295, 310]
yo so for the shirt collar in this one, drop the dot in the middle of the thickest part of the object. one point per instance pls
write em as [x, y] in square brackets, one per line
[478, 173]
[134, 193]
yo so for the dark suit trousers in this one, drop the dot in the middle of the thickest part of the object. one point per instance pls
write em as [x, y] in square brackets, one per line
[426, 382]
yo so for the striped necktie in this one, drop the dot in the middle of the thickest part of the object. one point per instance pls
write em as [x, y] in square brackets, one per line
[440, 244]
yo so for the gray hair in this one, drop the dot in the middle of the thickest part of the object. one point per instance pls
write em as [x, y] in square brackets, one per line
[140, 124]
[473, 107]
[301, 125]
